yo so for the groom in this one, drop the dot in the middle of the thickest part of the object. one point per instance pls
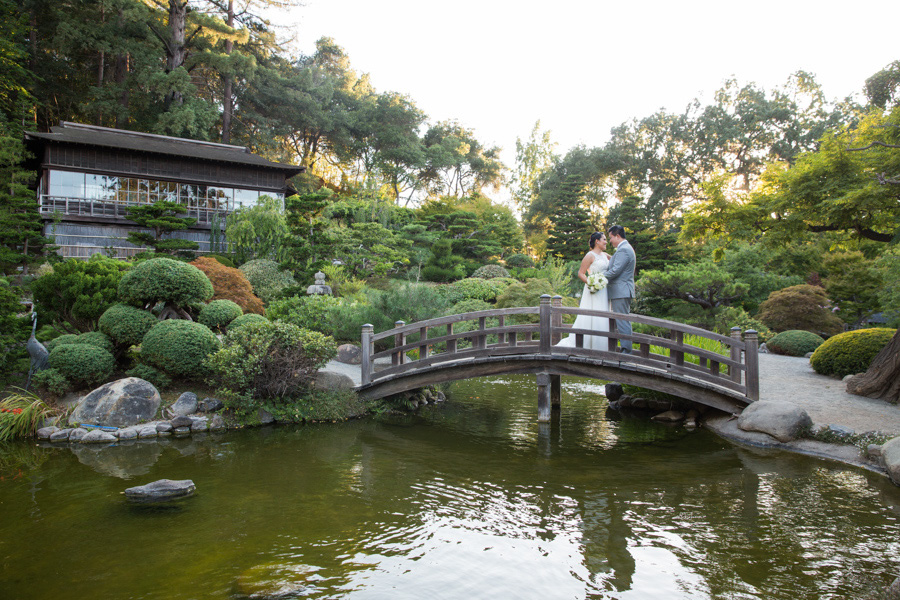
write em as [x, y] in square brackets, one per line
[620, 274]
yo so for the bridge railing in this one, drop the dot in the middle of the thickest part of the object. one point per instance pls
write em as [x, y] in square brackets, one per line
[489, 333]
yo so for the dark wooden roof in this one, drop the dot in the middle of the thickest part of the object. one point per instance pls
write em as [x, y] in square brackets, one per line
[91, 135]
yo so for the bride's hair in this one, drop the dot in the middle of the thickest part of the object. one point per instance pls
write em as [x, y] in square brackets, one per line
[595, 237]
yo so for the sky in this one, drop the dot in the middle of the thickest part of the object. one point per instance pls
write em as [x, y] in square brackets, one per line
[584, 67]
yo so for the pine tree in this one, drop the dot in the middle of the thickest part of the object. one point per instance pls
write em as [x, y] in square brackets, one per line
[162, 219]
[22, 243]
[308, 245]
[572, 227]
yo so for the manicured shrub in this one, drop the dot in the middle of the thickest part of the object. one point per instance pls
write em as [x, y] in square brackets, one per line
[443, 265]
[53, 381]
[490, 272]
[270, 360]
[76, 292]
[223, 260]
[126, 325]
[795, 342]
[82, 363]
[246, 320]
[230, 284]
[470, 305]
[851, 352]
[267, 278]
[803, 307]
[519, 261]
[524, 294]
[306, 312]
[159, 379]
[475, 288]
[179, 347]
[219, 313]
[174, 283]
[93, 338]
[735, 316]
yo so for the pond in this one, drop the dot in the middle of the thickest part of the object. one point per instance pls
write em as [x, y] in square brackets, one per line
[471, 498]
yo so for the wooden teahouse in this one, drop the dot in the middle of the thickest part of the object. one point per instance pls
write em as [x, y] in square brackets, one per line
[89, 176]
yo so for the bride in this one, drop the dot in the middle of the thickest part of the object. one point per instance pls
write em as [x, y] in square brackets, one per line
[595, 261]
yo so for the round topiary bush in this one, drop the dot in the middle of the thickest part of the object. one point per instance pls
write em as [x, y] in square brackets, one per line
[800, 307]
[795, 342]
[93, 338]
[519, 261]
[126, 325]
[82, 363]
[175, 283]
[246, 320]
[179, 347]
[306, 312]
[851, 352]
[475, 288]
[267, 278]
[490, 272]
[219, 313]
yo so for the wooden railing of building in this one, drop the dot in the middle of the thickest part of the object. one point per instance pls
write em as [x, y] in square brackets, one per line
[491, 334]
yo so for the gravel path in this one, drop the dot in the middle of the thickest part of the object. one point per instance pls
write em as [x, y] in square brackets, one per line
[825, 399]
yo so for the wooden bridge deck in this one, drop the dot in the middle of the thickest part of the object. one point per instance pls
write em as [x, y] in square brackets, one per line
[486, 343]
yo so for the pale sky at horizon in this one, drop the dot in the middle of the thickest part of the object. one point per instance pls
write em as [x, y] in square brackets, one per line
[583, 68]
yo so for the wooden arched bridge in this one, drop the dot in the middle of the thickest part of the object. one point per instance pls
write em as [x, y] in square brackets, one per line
[488, 342]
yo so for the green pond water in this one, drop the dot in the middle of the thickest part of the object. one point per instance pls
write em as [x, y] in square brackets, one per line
[467, 499]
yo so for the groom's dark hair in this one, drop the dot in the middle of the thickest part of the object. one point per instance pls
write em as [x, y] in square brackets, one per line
[617, 230]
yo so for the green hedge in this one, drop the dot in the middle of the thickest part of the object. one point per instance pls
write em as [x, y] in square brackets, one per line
[219, 313]
[475, 288]
[795, 342]
[306, 312]
[267, 278]
[93, 338]
[82, 363]
[159, 379]
[851, 352]
[490, 272]
[164, 280]
[126, 325]
[179, 347]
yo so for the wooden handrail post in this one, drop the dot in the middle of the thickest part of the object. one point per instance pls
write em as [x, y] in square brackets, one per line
[423, 336]
[678, 354]
[398, 358]
[367, 346]
[544, 328]
[556, 303]
[751, 359]
[735, 354]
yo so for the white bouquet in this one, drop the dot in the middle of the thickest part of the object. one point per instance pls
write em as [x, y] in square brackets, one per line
[596, 282]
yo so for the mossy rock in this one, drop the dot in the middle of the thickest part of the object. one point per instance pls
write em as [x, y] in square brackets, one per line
[851, 352]
[795, 342]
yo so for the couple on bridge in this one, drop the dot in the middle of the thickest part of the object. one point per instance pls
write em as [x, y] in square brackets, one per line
[608, 286]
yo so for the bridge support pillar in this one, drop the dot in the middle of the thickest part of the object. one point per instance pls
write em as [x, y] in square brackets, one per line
[555, 391]
[544, 410]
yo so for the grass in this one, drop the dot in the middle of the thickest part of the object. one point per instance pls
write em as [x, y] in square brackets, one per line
[21, 413]
[698, 342]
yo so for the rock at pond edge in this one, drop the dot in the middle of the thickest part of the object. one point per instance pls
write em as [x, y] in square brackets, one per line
[161, 491]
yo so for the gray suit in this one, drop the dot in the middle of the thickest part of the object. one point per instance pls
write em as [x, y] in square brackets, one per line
[620, 274]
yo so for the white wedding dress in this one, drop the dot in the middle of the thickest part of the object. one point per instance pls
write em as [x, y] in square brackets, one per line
[593, 301]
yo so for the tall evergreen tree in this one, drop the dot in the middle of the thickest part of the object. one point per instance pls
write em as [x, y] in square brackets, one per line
[571, 225]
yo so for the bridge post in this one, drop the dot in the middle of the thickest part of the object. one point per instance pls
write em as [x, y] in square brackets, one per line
[556, 302]
[555, 391]
[398, 358]
[736, 354]
[366, 346]
[543, 383]
[751, 359]
[544, 328]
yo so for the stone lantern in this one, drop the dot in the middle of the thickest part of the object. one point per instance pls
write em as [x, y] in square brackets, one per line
[319, 286]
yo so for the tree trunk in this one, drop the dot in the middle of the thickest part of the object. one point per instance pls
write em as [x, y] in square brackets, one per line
[227, 100]
[882, 380]
[176, 52]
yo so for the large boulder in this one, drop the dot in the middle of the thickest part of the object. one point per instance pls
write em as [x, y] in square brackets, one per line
[784, 421]
[185, 405]
[333, 380]
[350, 354]
[119, 403]
[890, 454]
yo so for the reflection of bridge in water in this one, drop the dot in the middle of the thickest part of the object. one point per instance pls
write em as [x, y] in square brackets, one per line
[495, 342]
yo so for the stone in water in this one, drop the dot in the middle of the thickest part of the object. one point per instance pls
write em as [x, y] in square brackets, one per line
[161, 491]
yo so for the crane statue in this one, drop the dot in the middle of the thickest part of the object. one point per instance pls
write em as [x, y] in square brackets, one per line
[36, 351]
